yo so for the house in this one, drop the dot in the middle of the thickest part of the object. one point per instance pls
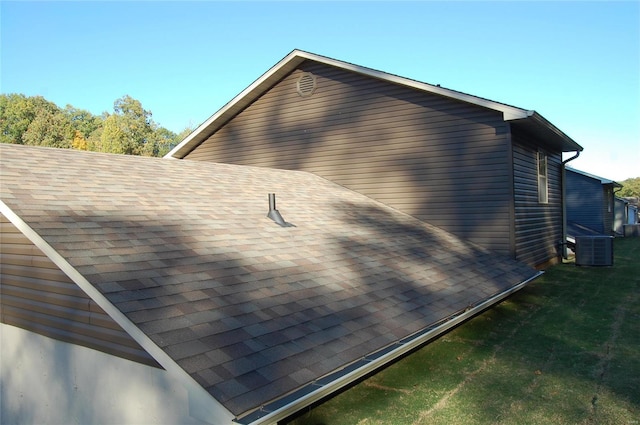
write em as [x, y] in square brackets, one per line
[620, 215]
[590, 204]
[625, 217]
[485, 171]
[146, 290]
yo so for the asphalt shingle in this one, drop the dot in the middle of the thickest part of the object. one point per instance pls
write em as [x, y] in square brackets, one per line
[250, 309]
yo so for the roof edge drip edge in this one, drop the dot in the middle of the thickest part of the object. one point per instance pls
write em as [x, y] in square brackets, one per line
[321, 388]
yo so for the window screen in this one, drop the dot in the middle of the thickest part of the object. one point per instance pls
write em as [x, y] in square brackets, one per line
[543, 184]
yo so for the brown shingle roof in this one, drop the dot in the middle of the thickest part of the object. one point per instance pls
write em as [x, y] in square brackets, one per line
[249, 309]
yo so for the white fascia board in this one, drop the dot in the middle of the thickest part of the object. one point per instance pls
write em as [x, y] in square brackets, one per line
[517, 115]
[509, 112]
[234, 106]
[206, 408]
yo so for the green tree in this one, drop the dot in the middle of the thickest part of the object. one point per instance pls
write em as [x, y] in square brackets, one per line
[167, 139]
[630, 188]
[49, 128]
[17, 111]
[94, 139]
[129, 130]
[112, 138]
[81, 120]
[163, 142]
[184, 133]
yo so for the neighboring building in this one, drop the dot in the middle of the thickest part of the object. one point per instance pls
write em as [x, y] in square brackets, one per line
[145, 290]
[625, 214]
[487, 172]
[633, 210]
[590, 204]
[620, 215]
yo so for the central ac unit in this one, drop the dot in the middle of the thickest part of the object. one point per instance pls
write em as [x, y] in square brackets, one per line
[594, 251]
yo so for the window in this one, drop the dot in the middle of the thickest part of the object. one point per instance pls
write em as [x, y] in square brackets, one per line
[543, 183]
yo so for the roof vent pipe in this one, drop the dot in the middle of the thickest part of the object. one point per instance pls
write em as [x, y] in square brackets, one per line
[274, 214]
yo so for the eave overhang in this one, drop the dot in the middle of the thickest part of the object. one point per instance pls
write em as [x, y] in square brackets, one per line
[529, 120]
[552, 136]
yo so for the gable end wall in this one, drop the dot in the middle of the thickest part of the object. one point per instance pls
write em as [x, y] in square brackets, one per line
[37, 296]
[440, 160]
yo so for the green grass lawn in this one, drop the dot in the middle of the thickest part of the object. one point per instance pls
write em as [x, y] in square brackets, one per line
[564, 350]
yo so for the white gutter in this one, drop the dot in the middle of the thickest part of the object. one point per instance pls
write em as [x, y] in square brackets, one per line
[323, 387]
[201, 404]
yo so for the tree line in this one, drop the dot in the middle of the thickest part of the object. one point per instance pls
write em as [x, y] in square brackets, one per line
[630, 188]
[129, 129]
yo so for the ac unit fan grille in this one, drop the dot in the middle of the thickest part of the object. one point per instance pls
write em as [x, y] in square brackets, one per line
[594, 251]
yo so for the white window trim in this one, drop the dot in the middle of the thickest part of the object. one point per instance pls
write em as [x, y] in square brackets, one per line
[543, 178]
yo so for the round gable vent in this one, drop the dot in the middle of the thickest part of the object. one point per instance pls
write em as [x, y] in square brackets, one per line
[306, 84]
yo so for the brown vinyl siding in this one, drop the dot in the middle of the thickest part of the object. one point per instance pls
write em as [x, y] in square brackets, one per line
[37, 296]
[538, 227]
[440, 160]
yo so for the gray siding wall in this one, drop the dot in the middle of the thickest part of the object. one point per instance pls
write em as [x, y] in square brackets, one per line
[538, 227]
[37, 296]
[443, 161]
[586, 201]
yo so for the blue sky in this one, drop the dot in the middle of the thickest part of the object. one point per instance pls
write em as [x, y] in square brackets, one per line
[576, 63]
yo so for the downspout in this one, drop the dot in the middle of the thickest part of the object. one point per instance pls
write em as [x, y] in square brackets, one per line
[563, 243]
